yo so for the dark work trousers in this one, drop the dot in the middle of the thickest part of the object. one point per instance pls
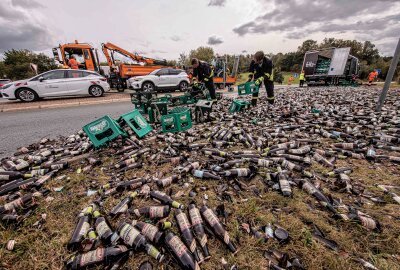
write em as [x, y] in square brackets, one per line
[211, 88]
[301, 83]
[269, 86]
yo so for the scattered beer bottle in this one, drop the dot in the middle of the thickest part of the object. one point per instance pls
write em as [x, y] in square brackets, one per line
[100, 256]
[152, 211]
[205, 174]
[167, 181]
[187, 236]
[150, 231]
[81, 228]
[122, 206]
[133, 238]
[131, 184]
[217, 228]
[181, 252]
[146, 266]
[198, 227]
[284, 185]
[163, 198]
[103, 229]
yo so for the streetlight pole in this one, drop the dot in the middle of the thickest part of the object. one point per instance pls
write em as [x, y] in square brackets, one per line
[389, 77]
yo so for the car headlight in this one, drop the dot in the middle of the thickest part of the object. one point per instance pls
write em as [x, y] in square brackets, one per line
[6, 86]
[137, 79]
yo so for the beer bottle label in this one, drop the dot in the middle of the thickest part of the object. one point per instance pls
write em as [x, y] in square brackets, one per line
[123, 209]
[102, 228]
[182, 222]
[263, 162]
[195, 216]
[242, 172]
[309, 188]
[92, 257]
[4, 177]
[156, 211]
[166, 181]
[198, 173]
[128, 234]
[150, 231]
[177, 246]
[57, 166]
[84, 229]
[348, 146]
[14, 204]
[210, 216]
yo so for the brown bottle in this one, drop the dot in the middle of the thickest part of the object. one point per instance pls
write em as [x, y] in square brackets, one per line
[163, 198]
[187, 236]
[181, 252]
[131, 184]
[133, 238]
[217, 228]
[198, 227]
[100, 256]
[103, 228]
[81, 228]
[167, 181]
[152, 211]
[150, 231]
[122, 206]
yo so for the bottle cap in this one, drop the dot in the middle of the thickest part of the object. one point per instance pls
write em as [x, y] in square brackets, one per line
[281, 235]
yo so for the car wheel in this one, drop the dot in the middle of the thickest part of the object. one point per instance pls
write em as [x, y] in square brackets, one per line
[148, 87]
[96, 90]
[183, 86]
[27, 95]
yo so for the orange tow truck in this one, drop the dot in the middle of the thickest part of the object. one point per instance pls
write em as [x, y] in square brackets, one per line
[89, 60]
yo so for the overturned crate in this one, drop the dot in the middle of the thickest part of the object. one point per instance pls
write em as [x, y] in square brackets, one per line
[136, 122]
[103, 130]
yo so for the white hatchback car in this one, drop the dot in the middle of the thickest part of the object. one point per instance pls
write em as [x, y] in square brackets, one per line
[57, 83]
[161, 79]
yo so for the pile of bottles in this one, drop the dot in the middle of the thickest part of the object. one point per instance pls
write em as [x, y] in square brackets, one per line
[167, 212]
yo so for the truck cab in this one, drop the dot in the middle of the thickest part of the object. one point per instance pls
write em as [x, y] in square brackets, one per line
[84, 53]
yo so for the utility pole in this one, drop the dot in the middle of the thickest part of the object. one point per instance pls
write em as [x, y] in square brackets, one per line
[389, 77]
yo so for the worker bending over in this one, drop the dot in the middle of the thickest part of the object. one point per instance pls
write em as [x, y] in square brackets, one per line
[261, 70]
[203, 72]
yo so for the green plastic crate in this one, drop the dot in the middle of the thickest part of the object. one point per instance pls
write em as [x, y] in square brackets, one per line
[136, 122]
[103, 130]
[238, 105]
[177, 120]
[247, 88]
[156, 110]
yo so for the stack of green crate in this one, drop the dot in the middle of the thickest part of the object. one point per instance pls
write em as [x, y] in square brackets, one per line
[177, 120]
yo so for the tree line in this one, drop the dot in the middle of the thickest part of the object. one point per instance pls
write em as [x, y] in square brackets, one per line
[15, 64]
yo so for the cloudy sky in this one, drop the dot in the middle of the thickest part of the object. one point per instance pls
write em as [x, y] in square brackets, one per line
[163, 29]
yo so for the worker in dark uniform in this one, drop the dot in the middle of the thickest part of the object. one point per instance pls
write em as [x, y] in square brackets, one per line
[261, 70]
[203, 72]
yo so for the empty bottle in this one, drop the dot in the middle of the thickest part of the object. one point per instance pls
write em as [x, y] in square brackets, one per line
[163, 198]
[198, 228]
[181, 252]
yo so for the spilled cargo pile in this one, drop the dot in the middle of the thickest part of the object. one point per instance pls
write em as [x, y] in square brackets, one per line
[312, 182]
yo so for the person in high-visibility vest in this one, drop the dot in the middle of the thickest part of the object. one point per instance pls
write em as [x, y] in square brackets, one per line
[290, 80]
[372, 76]
[301, 78]
[203, 72]
[72, 63]
[261, 70]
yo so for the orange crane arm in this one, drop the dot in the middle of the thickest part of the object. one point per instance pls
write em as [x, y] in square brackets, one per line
[112, 47]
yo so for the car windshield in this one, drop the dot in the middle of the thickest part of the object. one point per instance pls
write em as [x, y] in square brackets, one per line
[154, 72]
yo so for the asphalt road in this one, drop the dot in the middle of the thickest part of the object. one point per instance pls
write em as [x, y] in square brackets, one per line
[22, 128]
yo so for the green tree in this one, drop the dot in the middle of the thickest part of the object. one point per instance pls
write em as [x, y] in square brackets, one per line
[307, 45]
[202, 53]
[369, 52]
[17, 63]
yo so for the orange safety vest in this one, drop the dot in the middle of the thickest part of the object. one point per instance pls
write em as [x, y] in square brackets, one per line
[372, 75]
[73, 64]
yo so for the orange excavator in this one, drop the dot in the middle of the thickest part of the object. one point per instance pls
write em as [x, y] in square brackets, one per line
[125, 71]
[88, 58]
